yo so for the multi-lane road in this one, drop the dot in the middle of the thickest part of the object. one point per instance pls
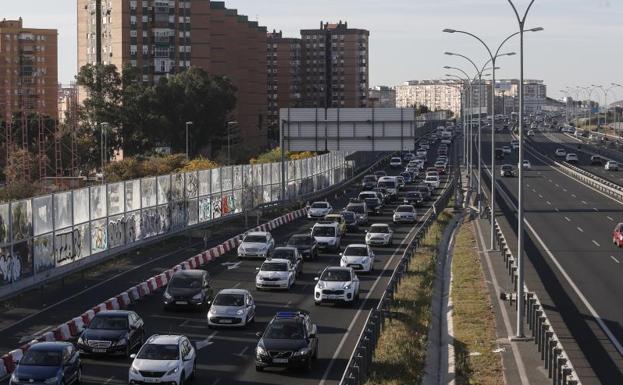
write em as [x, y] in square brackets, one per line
[572, 265]
[227, 356]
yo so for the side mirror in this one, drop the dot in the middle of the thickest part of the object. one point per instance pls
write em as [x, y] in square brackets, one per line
[133, 355]
[257, 269]
[317, 279]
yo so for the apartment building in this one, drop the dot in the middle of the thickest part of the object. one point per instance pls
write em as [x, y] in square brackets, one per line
[435, 94]
[335, 66]
[507, 95]
[163, 37]
[28, 69]
[283, 56]
[382, 97]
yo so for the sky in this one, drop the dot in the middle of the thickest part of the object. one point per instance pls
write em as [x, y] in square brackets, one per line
[580, 44]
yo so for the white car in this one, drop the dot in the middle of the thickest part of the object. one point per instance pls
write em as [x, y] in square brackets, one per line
[318, 210]
[446, 141]
[507, 170]
[358, 257]
[506, 150]
[571, 158]
[405, 213]
[327, 235]
[379, 234]
[166, 359]
[560, 152]
[611, 166]
[275, 274]
[409, 156]
[432, 181]
[421, 152]
[396, 161]
[425, 146]
[232, 308]
[336, 284]
[530, 133]
[527, 165]
[256, 244]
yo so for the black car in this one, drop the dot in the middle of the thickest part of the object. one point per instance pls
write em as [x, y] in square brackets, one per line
[425, 191]
[188, 288]
[291, 254]
[289, 341]
[383, 192]
[374, 205]
[368, 182]
[306, 245]
[112, 332]
[408, 177]
[414, 198]
[380, 173]
[351, 220]
[499, 153]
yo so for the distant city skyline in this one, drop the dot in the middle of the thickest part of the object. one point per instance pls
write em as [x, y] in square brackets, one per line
[577, 47]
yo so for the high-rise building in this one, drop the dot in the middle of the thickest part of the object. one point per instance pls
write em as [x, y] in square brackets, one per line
[28, 69]
[437, 95]
[335, 66]
[507, 95]
[163, 37]
[382, 97]
[284, 74]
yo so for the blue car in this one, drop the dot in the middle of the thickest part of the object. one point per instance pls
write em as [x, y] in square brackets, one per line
[48, 363]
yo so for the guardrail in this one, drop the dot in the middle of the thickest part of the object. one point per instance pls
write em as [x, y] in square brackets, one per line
[358, 366]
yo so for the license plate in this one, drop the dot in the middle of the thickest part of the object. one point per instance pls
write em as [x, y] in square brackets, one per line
[226, 321]
[99, 350]
[280, 360]
[181, 302]
[332, 297]
[152, 380]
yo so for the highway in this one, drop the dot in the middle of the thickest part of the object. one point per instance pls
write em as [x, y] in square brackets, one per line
[227, 356]
[572, 264]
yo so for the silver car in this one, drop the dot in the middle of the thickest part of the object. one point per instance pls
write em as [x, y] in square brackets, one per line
[232, 308]
[405, 214]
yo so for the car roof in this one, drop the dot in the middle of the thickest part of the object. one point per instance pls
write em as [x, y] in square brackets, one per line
[258, 233]
[325, 202]
[49, 346]
[357, 245]
[301, 236]
[290, 248]
[113, 313]
[233, 291]
[165, 339]
[379, 225]
[276, 260]
[325, 224]
[193, 273]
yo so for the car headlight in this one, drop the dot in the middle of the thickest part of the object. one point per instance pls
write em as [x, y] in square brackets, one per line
[240, 249]
[133, 370]
[347, 286]
[14, 378]
[368, 236]
[302, 352]
[260, 351]
[240, 312]
[173, 371]
[167, 295]
[51, 380]
[198, 296]
[320, 285]
[121, 342]
[82, 340]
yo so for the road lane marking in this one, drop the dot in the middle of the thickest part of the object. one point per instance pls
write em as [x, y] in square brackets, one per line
[610, 219]
[557, 185]
[564, 189]
[533, 190]
[207, 342]
[573, 196]
[241, 354]
[550, 181]
[584, 202]
[557, 209]
[596, 209]
[615, 260]
[548, 202]
[568, 220]
[540, 196]
[596, 244]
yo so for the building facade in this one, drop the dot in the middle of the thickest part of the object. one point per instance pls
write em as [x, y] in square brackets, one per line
[335, 66]
[435, 94]
[382, 97]
[507, 96]
[28, 69]
[164, 37]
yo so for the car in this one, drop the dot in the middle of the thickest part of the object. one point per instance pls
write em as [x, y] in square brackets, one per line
[275, 274]
[368, 182]
[401, 182]
[408, 156]
[506, 150]
[358, 257]
[56, 363]
[382, 193]
[421, 152]
[188, 288]
[530, 133]
[425, 146]
[446, 141]
[112, 332]
[292, 255]
[432, 180]
[499, 153]
[164, 359]
[318, 210]
[571, 158]
[597, 160]
[432, 171]
[617, 235]
[440, 166]
[327, 235]
[425, 190]
[507, 170]
[407, 177]
[232, 308]
[527, 165]
[380, 174]
[405, 213]
[306, 245]
[339, 219]
[256, 244]
[337, 284]
[413, 198]
[611, 165]
[374, 204]
[290, 340]
[390, 184]
[360, 209]
[395, 161]
[433, 137]
[379, 234]
[351, 221]
[560, 152]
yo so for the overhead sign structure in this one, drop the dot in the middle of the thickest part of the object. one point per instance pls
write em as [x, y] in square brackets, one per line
[352, 129]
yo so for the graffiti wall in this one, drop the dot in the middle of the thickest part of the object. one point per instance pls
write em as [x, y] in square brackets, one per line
[43, 253]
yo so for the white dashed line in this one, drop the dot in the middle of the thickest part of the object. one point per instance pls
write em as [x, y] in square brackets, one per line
[596, 209]
[584, 202]
[573, 195]
[540, 196]
[596, 244]
[550, 181]
[557, 185]
[568, 220]
[614, 259]
[556, 208]
[612, 220]
[564, 189]
[548, 202]
[533, 190]
[580, 229]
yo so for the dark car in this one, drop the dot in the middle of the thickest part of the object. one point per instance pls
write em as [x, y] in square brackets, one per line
[291, 254]
[351, 220]
[368, 182]
[425, 191]
[289, 341]
[383, 192]
[414, 198]
[306, 245]
[52, 363]
[112, 332]
[597, 160]
[380, 173]
[408, 177]
[188, 288]
[499, 153]
[374, 205]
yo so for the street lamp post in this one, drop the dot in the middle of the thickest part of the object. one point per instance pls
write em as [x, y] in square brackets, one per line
[463, 108]
[283, 159]
[188, 124]
[616, 122]
[103, 146]
[230, 125]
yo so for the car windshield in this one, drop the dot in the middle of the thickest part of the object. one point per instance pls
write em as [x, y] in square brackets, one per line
[355, 208]
[387, 184]
[300, 241]
[349, 216]
[275, 266]
[229, 300]
[404, 209]
[431, 178]
[507, 168]
[159, 352]
[323, 231]
[109, 323]
[181, 282]
[319, 205]
[356, 251]
[371, 200]
[255, 239]
[285, 330]
[379, 229]
[282, 253]
[369, 178]
[396, 160]
[367, 195]
[335, 276]
[413, 195]
[35, 357]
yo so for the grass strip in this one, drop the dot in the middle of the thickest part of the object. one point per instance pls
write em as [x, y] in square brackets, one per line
[474, 320]
[400, 355]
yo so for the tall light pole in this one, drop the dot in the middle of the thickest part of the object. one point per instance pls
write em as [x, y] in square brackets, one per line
[188, 124]
[283, 159]
[493, 59]
[464, 84]
[605, 92]
[614, 85]
[520, 211]
[230, 125]
[566, 93]
[104, 126]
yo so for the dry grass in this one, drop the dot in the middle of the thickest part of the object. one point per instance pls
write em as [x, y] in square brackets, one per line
[400, 356]
[474, 320]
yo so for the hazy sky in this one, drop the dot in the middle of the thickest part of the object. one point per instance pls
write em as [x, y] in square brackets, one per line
[581, 44]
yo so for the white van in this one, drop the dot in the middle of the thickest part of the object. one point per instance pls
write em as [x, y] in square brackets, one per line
[390, 183]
